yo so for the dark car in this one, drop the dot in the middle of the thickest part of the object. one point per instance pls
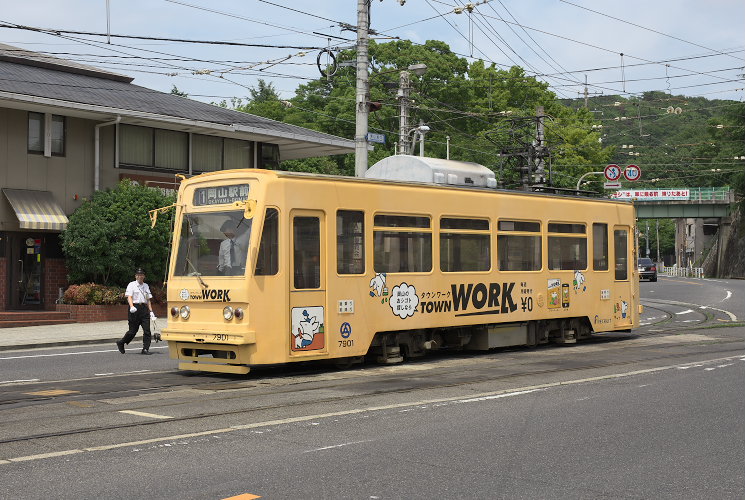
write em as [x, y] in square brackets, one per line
[647, 269]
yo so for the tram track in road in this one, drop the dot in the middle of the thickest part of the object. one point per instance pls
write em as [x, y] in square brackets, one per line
[707, 316]
[374, 388]
[151, 385]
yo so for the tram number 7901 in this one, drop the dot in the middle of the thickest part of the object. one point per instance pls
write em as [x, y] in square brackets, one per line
[220, 336]
[346, 343]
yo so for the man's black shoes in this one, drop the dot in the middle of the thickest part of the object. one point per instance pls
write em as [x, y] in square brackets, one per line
[145, 351]
[120, 345]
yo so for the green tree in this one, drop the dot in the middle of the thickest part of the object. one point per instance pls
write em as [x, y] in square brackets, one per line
[176, 91]
[264, 101]
[485, 112]
[110, 235]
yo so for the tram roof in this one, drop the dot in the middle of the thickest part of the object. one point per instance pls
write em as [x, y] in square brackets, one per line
[286, 174]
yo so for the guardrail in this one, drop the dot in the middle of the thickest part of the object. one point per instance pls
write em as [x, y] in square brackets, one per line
[683, 272]
[721, 194]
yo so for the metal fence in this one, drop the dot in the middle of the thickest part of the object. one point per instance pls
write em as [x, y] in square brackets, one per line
[684, 272]
[720, 194]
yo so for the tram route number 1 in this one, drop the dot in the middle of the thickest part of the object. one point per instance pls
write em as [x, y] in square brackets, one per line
[526, 303]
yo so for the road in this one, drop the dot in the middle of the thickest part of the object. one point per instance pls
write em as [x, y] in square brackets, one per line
[655, 413]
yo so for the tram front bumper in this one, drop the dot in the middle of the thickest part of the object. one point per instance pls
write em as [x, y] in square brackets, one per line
[213, 352]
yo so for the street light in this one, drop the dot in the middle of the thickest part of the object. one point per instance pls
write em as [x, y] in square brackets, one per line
[420, 130]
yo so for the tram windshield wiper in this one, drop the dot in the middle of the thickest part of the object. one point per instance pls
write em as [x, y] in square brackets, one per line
[196, 273]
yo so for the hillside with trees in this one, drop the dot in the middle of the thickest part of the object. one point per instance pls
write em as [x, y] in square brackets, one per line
[488, 116]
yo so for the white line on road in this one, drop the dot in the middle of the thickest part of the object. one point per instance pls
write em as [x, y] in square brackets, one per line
[18, 381]
[685, 312]
[370, 409]
[143, 414]
[729, 294]
[337, 446]
[68, 353]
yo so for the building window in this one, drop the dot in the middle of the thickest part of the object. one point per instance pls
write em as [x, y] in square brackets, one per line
[464, 245]
[350, 242]
[58, 135]
[268, 156]
[159, 149]
[37, 133]
[136, 146]
[402, 244]
[237, 154]
[567, 252]
[519, 245]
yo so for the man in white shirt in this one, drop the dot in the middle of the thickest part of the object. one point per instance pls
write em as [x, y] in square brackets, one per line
[231, 259]
[140, 312]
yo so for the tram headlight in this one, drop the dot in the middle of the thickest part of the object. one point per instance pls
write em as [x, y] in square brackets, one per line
[227, 313]
[185, 311]
[239, 313]
[174, 311]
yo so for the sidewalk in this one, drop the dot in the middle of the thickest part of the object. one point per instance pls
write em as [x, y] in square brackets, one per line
[27, 337]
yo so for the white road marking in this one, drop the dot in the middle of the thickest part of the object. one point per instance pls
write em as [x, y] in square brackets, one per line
[68, 353]
[729, 294]
[18, 381]
[337, 446]
[362, 411]
[687, 311]
[45, 455]
[143, 414]
[495, 396]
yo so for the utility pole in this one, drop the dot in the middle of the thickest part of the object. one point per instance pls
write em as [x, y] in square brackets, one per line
[404, 88]
[539, 177]
[587, 93]
[657, 221]
[360, 134]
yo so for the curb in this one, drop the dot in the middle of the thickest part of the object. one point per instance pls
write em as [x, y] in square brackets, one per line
[15, 347]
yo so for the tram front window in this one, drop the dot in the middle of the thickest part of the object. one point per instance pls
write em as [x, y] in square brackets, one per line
[213, 244]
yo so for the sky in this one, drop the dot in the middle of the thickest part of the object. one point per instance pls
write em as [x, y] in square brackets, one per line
[685, 47]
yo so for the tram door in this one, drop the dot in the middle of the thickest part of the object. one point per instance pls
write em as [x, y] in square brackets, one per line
[308, 309]
[623, 256]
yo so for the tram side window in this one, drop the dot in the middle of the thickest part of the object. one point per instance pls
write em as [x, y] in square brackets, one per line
[600, 247]
[402, 244]
[519, 245]
[350, 242]
[620, 246]
[267, 264]
[464, 245]
[307, 252]
[566, 251]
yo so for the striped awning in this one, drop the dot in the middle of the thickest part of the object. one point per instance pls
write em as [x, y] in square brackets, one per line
[36, 209]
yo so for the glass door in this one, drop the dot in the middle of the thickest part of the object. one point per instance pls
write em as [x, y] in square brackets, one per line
[308, 284]
[25, 266]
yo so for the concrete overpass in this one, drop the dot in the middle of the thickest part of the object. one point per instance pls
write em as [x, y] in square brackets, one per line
[703, 217]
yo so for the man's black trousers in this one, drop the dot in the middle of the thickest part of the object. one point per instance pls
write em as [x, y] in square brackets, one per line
[137, 319]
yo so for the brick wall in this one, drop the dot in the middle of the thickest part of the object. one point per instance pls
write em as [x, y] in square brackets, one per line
[94, 314]
[55, 277]
[3, 283]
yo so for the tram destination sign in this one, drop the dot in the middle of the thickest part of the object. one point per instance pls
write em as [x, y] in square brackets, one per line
[220, 195]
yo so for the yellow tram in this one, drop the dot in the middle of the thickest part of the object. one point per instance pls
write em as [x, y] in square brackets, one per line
[275, 267]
